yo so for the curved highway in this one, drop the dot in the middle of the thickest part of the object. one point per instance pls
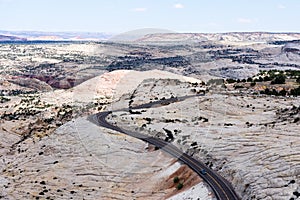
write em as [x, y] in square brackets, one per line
[221, 187]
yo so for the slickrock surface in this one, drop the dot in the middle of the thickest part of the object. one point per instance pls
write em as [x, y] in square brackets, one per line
[83, 161]
[253, 141]
[80, 160]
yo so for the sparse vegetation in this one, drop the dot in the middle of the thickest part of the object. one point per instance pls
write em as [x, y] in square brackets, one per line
[194, 125]
[269, 80]
[176, 179]
[179, 186]
[4, 99]
[279, 79]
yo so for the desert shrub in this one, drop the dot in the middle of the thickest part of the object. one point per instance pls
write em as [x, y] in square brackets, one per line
[179, 186]
[4, 99]
[282, 92]
[266, 91]
[267, 78]
[230, 80]
[260, 79]
[238, 86]
[176, 179]
[274, 92]
[295, 92]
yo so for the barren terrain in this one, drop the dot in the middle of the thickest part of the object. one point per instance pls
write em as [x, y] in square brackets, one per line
[245, 126]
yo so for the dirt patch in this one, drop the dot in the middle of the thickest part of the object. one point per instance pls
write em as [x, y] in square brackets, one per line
[186, 176]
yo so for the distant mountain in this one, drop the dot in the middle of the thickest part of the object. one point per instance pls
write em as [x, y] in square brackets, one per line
[151, 35]
[38, 35]
[11, 38]
[220, 37]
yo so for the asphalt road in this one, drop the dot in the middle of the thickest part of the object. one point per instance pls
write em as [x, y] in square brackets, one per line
[221, 187]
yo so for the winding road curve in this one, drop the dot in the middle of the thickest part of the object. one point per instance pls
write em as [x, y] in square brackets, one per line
[221, 187]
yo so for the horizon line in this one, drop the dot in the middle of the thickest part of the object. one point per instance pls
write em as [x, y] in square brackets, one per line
[173, 32]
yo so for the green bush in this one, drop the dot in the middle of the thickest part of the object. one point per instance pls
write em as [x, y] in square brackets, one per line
[282, 92]
[230, 80]
[4, 99]
[179, 186]
[176, 179]
[260, 79]
[267, 78]
[295, 92]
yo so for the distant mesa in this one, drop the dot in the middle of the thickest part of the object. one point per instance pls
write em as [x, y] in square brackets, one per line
[48, 37]
[52, 36]
[252, 37]
[137, 34]
[11, 38]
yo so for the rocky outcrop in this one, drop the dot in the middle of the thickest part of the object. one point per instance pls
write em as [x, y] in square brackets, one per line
[251, 140]
[291, 48]
[83, 161]
[31, 83]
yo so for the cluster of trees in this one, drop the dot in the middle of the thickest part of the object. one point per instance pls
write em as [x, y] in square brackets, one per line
[281, 75]
[15, 92]
[292, 92]
[267, 91]
[274, 78]
[293, 73]
[248, 80]
[279, 79]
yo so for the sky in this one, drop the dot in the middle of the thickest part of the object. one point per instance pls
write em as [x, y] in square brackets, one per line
[118, 16]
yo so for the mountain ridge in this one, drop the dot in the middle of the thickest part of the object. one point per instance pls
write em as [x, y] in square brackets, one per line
[148, 37]
[44, 35]
[220, 37]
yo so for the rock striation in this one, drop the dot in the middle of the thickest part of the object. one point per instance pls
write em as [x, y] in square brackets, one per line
[83, 161]
[253, 141]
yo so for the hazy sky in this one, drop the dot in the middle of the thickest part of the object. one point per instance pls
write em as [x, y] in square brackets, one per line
[117, 16]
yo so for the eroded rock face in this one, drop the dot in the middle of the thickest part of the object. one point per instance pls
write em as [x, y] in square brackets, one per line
[292, 48]
[83, 161]
[31, 83]
[253, 141]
